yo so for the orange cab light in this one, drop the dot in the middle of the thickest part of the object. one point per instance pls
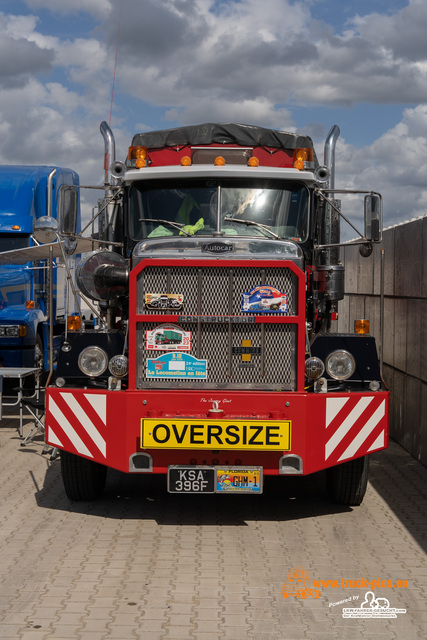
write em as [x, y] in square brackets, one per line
[185, 161]
[137, 153]
[74, 323]
[30, 304]
[219, 161]
[253, 162]
[361, 326]
[16, 227]
[301, 156]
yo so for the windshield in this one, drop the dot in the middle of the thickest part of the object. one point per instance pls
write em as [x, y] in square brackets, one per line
[11, 241]
[268, 208]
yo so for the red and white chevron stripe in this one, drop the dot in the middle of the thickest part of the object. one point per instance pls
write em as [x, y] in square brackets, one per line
[78, 422]
[354, 426]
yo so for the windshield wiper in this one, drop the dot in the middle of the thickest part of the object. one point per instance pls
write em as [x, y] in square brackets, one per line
[175, 225]
[253, 223]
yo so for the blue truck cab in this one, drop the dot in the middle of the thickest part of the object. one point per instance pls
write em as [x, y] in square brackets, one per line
[26, 194]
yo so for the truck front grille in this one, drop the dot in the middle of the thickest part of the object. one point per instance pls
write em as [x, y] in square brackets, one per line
[212, 312]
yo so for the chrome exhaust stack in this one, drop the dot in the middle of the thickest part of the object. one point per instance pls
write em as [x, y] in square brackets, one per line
[329, 153]
[110, 151]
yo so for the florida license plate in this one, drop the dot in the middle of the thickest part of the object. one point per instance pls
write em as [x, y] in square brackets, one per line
[215, 479]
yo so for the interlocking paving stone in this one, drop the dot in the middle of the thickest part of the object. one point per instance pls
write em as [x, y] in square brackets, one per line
[143, 564]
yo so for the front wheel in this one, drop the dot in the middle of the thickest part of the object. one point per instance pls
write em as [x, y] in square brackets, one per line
[347, 482]
[83, 479]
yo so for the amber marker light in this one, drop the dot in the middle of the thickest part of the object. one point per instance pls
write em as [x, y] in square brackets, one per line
[74, 323]
[301, 156]
[139, 155]
[361, 326]
[219, 161]
[16, 227]
[185, 161]
[253, 162]
[30, 304]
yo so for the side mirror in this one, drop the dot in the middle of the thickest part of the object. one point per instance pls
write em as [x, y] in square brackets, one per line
[373, 217]
[68, 210]
[45, 229]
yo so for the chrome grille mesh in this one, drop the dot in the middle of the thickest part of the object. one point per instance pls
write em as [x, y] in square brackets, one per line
[217, 291]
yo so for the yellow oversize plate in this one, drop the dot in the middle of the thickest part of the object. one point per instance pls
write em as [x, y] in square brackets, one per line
[268, 435]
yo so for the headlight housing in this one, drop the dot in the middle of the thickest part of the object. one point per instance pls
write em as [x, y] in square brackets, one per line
[13, 330]
[118, 366]
[314, 368]
[93, 361]
[340, 364]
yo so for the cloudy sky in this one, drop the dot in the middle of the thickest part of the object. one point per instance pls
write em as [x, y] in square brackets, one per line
[296, 66]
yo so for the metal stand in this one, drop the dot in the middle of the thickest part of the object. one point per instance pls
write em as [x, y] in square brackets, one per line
[37, 408]
[20, 373]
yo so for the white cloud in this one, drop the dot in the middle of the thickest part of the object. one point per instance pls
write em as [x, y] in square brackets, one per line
[201, 60]
[394, 165]
[98, 8]
[19, 57]
[259, 111]
[181, 53]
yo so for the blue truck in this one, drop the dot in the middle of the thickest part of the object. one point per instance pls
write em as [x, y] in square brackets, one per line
[26, 194]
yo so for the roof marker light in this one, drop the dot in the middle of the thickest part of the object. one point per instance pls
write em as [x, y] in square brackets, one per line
[301, 157]
[140, 156]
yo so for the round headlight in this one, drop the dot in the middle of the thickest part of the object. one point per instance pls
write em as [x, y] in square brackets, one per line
[314, 368]
[340, 365]
[118, 366]
[93, 361]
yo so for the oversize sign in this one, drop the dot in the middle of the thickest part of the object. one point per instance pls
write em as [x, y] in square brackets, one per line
[268, 435]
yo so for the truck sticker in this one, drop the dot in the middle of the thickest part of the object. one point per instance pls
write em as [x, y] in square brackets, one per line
[155, 301]
[158, 433]
[177, 366]
[168, 337]
[265, 299]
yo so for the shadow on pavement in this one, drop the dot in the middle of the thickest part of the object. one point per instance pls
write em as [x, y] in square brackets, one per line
[401, 481]
[146, 498]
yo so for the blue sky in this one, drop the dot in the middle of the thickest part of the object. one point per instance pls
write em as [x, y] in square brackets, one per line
[299, 66]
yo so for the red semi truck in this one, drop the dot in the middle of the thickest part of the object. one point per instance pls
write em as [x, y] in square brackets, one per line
[234, 232]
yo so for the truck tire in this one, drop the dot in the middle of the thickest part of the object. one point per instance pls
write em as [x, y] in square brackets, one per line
[347, 482]
[83, 479]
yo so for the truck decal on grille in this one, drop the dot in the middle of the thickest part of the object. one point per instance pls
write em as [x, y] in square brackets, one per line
[90, 413]
[349, 426]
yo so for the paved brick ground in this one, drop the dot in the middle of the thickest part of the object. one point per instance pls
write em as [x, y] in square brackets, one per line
[147, 565]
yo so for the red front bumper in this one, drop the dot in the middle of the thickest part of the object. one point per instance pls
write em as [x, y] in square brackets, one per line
[325, 429]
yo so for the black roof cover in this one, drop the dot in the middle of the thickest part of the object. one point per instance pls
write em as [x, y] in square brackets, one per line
[226, 133]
